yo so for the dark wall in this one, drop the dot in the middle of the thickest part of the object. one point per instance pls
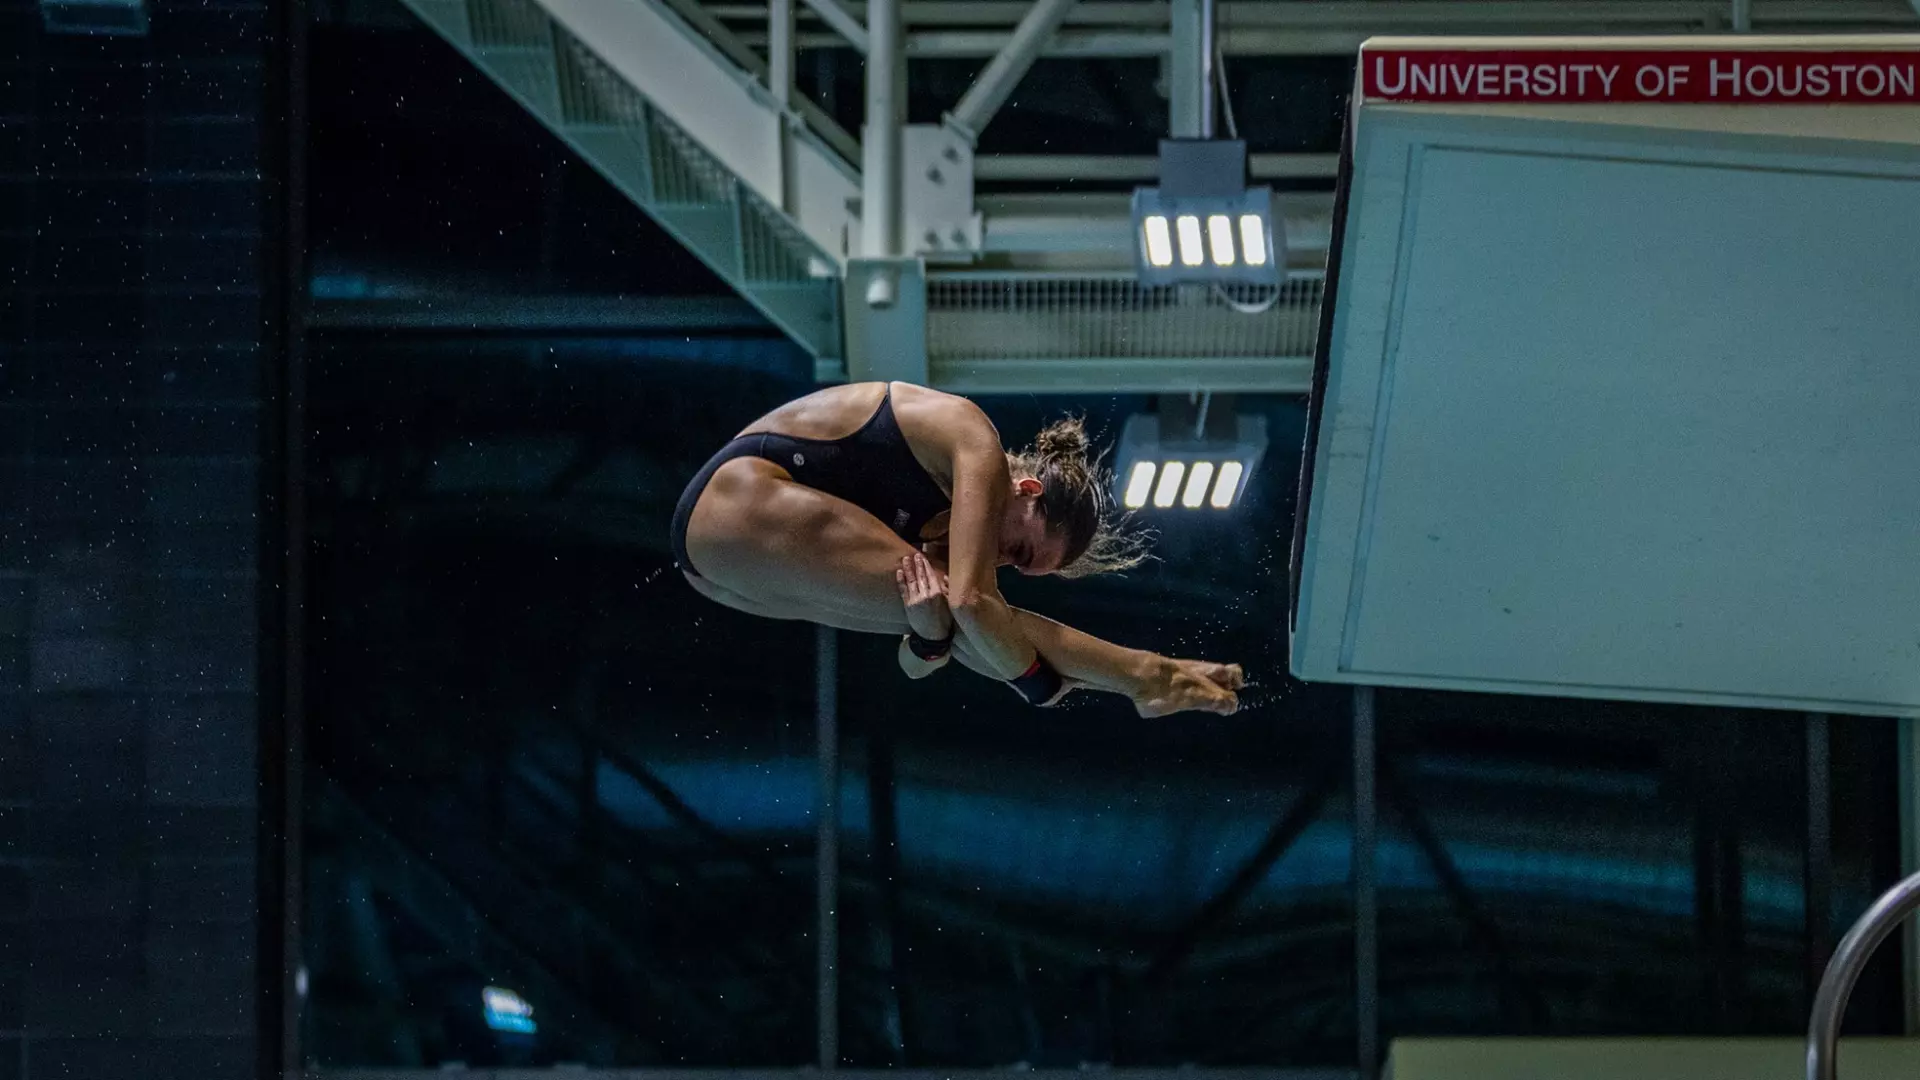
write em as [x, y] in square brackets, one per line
[133, 345]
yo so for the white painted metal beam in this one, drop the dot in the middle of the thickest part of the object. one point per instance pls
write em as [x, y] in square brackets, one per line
[780, 57]
[845, 22]
[1113, 43]
[881, 138]
[1206, 45]
[1395, 16]
[932, 44]
[1121, 28]
[780, 30]
[809, 1073]
[1183, 71]
[996, 82]
[1130, 375]
[1139, 168]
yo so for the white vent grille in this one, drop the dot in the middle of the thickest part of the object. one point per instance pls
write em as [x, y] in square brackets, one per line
[993, 318]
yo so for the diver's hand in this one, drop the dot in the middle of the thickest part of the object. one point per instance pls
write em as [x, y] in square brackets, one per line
[923, 592]
[1190, 685]
[936, 552]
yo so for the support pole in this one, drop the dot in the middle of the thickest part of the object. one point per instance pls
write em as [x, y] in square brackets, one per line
[1207, 85]
[1743, 15]
[780, 59]
[1004, 72]
[1366, 898]
[880, 165]
[780, 26]
[1819, 847]
[1183, 71]
[826, 692]
[283, 987]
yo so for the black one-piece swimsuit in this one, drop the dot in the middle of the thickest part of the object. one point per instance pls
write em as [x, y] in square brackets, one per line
[873, 468]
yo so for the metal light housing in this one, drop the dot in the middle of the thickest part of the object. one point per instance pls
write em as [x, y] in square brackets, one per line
[1167, 467]
[1204, 223]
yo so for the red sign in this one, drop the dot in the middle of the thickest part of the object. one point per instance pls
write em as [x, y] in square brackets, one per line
[1584, 76]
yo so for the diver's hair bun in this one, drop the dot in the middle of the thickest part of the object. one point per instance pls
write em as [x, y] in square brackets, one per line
[1065, 438]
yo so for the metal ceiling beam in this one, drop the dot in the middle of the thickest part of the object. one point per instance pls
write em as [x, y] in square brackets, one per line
[1128, 375]
[811, 1073]
[996, 82]
[1278, 41]
[1124, 28]
[845, 22]
[1272, 41]
[1182, 69]
[1140, 168]
[1406, 16]
[971, 44]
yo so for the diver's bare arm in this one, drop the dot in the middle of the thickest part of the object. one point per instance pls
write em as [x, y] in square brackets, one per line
[1157, 685]
[980, 486]
[1079, 657]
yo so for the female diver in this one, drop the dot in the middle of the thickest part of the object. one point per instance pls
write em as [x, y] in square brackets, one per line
[887, 508]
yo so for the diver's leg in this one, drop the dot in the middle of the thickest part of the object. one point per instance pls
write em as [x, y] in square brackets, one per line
[780, 609]
[757, 536]
[734, 600]
[787, 548]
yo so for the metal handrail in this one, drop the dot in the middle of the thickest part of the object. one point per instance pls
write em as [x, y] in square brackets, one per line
[1843, 971]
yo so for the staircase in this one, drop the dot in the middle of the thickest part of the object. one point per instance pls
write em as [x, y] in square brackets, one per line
[760, 196]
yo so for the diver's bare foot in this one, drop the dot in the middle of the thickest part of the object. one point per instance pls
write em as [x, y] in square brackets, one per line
[1190, 685]
[1229, 676]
